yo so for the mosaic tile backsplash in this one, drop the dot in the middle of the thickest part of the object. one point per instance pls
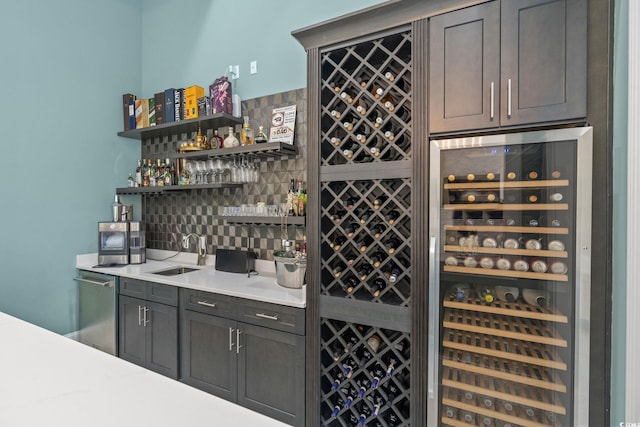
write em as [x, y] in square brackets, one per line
[170, 215]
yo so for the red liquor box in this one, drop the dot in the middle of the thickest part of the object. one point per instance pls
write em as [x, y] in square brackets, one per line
[221, 100]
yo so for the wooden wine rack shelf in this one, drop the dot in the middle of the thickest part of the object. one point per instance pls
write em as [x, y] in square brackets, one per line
[520, 421]
[506, 273]
[489, 324]
[507, 370]
[505, 348]
[507, 207]
[502, 308]
[507, 229]
[506, 251]
[521, 395]
[513, 185]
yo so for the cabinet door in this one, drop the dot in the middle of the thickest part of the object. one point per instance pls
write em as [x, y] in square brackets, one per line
[162, 338]
[464, 69]
[543, 60]
[271, 373]
[208, 353]
[131, 332]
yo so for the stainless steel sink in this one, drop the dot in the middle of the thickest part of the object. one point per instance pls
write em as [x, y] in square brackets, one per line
[175, 271]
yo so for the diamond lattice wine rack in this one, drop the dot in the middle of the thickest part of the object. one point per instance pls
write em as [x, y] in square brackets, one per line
[365, 231]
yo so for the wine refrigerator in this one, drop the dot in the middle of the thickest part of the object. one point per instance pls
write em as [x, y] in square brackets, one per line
[509, 279]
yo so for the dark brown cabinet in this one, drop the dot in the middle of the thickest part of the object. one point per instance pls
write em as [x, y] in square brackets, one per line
[148, 329]
[245, 351]
[502, 64]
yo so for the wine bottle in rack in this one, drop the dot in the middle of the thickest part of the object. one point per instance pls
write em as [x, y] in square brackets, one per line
[338, 215]
[349, 150]
[485, 293]
[337, 243]
[377, 258]
[507, 293]
[337, 403]
[376, 146]
[460, 291]
[351, 202]
[338, 377]
[393, 274]
[391, 216]
[470, 262]
[336, 84]
[450, 412]
[377, 286]
[348, 367]
[362, 133]
[352, 342]
[350, 394]
[392, 244]
[365, 215]
[489, 241]
[364, 355]
[378, 201]
[363, 244]
[536, 297]
[556, 196]
[487, 262]
[392, 363]
[349, 285]
[533, 174]
[538, 266]
[351, 229]
[379, 120]
[337, 271]
[336, 350]
[336, 114]
[403, 113]
[349, 122]
[361, 106]
[530, 221]
[335, 141]
[346, 96]
[388, 101]
[520, 264]
[558, 267]
[364, 271]
[374, 343]
[503, 263]
[556, 245]
[378, 229]
[363, 385]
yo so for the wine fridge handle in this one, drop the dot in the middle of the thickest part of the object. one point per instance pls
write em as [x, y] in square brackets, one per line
[432, 317]
[509, 98]
[491, 100]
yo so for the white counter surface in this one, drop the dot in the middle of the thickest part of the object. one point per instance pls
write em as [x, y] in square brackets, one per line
[53, 381]
[262, 287]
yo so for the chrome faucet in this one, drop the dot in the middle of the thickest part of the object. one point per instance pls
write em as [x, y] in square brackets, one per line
[202, 246]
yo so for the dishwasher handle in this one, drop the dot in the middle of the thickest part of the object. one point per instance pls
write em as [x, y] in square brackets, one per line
[107, 284]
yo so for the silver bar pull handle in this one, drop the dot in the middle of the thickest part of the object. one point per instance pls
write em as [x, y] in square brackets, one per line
[144, 316]
[266, 316]
[491, 100]
[107, 284]
[509, 98]
[139, 315]
[431, 358]
[238, 346]
[207, 304]
[231, 338]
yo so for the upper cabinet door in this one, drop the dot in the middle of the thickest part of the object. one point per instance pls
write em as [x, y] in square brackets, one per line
[543, 60]
[464, 69]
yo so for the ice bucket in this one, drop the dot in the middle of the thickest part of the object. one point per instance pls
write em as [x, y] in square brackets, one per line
[290, 271]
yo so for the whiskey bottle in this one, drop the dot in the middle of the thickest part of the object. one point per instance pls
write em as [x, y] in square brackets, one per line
[217, 140]
[138, 181]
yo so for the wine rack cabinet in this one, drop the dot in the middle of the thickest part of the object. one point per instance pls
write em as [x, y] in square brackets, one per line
[365, 233]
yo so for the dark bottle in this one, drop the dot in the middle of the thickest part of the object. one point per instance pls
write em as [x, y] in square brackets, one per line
[530, 221]
[337, 271]
[377, 258]
[364, 271]
[363, 244]
[338, 377]
[351, 340]
[392, 216]
[351, 202]
[378, 201]
[338, 403]
[364, 355]
[393, 274]
[362, 133]
[377, 286]
[349, 150]
[347, 368]
[378, 229]
[376, 146]
[351, 394]
[391, 391]
[351, 229]
[392, 244]
[350, 284]
[338, 215]
[365, 215]
[336, 350]
[392, 363]
[338, 242]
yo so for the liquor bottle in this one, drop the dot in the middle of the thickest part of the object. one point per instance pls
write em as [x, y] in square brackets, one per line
[139, 174]
[231, 140]
[378, 229]
[131, 182]
[351, 229]
[169, 173]
[538, 266]
[246, 133]
[261, 136]
[152, 174]
[377, 286]
[338, 242]
[391, 216]
[460, 291]
[364, 271]
[536, 297]
[349, 285]
[365, 215]
[503, 263]
[217, 140]
[485, 293]
[507, 293]
[392, 244]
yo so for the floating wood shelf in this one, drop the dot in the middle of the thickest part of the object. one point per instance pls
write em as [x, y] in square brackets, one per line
[505, 251]
[516, 309]
[507, 207]
[507, 229]
[506, 273]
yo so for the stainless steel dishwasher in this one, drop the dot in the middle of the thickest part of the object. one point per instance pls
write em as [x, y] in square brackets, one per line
[97, 310]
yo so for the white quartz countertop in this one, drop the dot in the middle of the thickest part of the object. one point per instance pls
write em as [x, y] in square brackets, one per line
[49, 380]
[261, 287]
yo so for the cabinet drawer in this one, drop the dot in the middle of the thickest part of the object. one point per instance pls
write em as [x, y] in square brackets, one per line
[133, 288]
[274, 316]
[149, 291]
[208, 303]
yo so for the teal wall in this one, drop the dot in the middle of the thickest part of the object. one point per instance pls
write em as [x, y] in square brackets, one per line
[193, 42]
[619, 311]
[64, 67]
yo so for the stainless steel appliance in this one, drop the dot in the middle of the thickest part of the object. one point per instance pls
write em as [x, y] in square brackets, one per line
[510, 239]
[97, 310]
[121, 243]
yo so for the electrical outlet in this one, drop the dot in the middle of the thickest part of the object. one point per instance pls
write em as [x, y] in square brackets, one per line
[234, 70]
[253, 67]
[185, 241]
